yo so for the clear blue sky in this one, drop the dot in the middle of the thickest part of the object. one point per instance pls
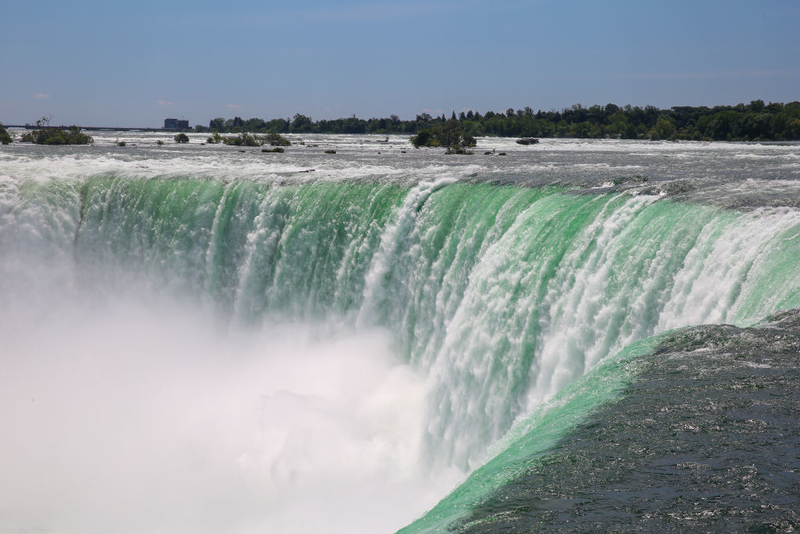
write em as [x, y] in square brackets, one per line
[135, 63]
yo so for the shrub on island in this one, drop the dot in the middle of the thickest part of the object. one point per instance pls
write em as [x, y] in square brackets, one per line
[248, 139]
[424, 138]
[181, 138]
[527, 141]
[458, 149]
[275, 139]
[243, 139]
[5, 137]
[44, 134]
[449, 134]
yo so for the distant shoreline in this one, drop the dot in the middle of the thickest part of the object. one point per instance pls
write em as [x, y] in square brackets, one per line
[756, 121]
[94, 128]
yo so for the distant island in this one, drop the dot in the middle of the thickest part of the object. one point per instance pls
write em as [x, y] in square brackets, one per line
[755, 121]
[5, 137]
[44, 134]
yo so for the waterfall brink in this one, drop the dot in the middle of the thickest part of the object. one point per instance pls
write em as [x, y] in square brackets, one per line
[499, 304]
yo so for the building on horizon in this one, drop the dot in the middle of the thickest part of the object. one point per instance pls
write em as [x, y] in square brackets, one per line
[176, 124]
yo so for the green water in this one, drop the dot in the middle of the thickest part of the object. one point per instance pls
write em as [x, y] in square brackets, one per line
[522, 306]
[532, 436]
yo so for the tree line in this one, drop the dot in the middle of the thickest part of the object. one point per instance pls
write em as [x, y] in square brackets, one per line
[755, 121]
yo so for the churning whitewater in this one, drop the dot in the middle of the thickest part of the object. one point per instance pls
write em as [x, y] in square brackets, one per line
[200, 340]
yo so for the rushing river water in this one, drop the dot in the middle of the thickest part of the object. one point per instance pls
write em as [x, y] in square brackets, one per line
[203, 338]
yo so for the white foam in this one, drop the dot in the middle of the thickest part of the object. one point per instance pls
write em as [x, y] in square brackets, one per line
[135, 417]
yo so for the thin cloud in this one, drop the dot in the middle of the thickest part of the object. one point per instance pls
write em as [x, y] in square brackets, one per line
[379, 13]
[234, 106]
[723, 75]
[165, 103]
[41, 96]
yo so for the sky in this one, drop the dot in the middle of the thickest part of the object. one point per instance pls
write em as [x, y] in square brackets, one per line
[132, 64]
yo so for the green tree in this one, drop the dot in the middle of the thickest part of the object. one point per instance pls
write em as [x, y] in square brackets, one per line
[618, 124]
[451, 134]
[424, 138]
[217, 124]
[5, 137]
[755, 120]
[181, 138]
[663, 129]
[244, 139]
[276, 139]
[301, 124]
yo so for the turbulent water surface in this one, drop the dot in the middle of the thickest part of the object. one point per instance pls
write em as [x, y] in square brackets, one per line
[704, 440]
[201, 338]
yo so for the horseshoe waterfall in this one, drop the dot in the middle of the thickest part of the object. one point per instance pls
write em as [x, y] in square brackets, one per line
[580, 335]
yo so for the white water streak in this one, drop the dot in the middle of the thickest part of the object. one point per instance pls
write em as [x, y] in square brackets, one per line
[391, 247]
[729, 263]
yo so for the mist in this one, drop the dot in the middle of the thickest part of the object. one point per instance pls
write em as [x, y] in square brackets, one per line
[144, 415]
